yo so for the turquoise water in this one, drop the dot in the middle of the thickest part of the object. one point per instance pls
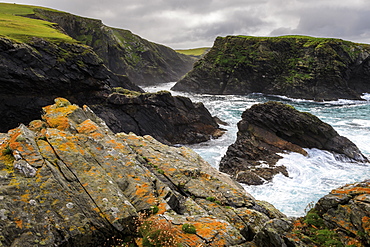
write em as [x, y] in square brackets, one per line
[310, 177]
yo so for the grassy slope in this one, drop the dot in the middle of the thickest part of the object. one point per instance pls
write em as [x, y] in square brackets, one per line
[197, 52]
[15, 25]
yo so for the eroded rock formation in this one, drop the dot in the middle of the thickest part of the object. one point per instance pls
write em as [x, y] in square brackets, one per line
[271, 128]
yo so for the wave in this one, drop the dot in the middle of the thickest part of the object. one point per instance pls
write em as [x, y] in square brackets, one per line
[309, 179]
[365, 97]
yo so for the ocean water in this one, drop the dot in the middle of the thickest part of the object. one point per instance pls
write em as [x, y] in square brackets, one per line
[310, 177]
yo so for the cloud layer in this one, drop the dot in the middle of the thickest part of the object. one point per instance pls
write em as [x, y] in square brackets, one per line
[196, 23]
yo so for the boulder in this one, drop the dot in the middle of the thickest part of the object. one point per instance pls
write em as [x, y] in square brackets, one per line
[294, 66]
[272, 128]
[68, 180]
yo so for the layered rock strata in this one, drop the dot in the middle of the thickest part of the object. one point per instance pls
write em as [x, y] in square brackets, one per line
[68, 180]
[272, 128]
[294, 66]
[35, 73]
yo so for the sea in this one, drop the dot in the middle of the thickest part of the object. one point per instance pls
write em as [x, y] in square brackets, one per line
[310, 177]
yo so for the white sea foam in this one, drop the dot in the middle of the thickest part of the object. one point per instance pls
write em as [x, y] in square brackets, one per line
[310, 177]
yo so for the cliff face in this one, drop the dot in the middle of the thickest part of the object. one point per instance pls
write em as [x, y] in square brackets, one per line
[123, 52]
[271, 128]
[293, 66]
[34, 73]
[67, 180]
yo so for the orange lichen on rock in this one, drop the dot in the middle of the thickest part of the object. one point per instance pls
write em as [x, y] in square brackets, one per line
[56, 116]
[352, 190]
[366, 224]
[89, 127]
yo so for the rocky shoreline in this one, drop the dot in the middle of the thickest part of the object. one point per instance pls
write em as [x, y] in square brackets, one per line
[68, 180]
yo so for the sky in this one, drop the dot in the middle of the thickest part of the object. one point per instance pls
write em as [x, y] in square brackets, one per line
[182, 24]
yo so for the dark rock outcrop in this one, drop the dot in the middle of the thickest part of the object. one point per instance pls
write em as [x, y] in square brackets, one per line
[169, 119]
[34, 74]
[271, 128]
[67, 180]
[293, 66]
[123, 52]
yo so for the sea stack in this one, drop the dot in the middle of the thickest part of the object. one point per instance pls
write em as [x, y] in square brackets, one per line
[271, 128]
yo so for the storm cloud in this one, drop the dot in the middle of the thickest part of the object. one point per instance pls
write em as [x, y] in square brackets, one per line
[196, 23]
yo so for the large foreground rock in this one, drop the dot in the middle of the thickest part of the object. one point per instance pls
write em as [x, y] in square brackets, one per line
[34, 73]
[294, 66]
[68, 180]
[271, 128]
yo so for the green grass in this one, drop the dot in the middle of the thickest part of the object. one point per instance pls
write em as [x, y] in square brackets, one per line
[15, 25]
[194, 52]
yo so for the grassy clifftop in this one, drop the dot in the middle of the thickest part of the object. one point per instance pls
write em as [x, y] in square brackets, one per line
[15, 24]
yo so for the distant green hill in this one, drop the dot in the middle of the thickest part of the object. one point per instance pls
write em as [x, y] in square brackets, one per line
[196, 52]
[15, 24]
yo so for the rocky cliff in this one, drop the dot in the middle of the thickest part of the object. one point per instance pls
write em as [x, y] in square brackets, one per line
[272, 128]
[293, 66]
[34, 73]
[122, 51]
[67, 180]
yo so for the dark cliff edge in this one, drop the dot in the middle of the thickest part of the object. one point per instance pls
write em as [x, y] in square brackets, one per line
[271, 128]
[35, 73]
[294, 66]
[144, 62]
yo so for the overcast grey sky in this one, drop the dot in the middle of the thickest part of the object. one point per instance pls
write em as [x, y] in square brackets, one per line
[196, 23]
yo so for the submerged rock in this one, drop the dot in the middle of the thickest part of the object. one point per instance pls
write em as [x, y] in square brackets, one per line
[68, 180]
[293, 66]
[272, 128]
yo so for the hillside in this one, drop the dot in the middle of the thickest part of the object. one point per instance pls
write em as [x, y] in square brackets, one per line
[293, 66]
[197, 53]
[122, 51]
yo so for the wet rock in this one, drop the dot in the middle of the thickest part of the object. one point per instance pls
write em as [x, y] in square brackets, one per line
[272, 128]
